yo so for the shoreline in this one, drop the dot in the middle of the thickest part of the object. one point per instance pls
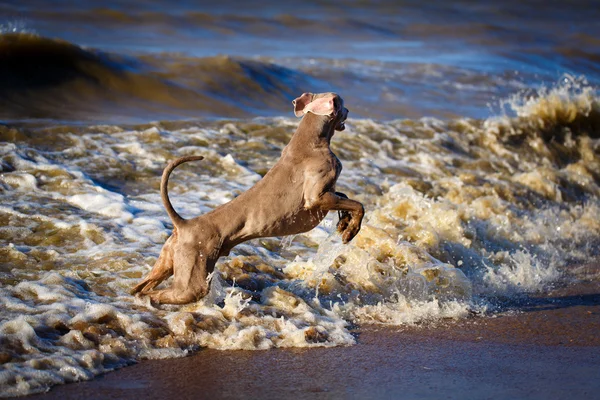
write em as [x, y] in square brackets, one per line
[549, 350]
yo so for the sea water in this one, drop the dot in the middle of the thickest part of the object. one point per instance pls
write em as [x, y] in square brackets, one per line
[481, 182]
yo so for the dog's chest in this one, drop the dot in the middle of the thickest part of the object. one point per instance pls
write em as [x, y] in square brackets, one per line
[335, 168]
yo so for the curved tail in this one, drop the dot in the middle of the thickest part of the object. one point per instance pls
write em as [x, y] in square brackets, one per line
[164, 190]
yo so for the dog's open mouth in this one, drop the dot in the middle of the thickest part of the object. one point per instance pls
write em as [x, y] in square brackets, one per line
[341, 125]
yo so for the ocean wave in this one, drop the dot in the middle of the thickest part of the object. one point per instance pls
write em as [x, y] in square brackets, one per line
[42, 78]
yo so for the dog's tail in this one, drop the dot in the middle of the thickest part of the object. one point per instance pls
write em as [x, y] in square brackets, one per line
[164, 187]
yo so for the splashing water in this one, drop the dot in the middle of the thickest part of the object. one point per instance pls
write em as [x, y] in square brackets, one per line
[459, 213]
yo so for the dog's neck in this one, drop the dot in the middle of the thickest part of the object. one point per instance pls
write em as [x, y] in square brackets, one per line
[314, 130]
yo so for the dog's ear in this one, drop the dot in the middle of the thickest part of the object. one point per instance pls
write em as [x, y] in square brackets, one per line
[300, 103]
[321, 106]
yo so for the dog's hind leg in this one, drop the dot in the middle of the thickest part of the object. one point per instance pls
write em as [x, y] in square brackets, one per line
[191, 268]
[163, 267]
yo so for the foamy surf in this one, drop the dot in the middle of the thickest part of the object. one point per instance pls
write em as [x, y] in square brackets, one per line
[460, 213]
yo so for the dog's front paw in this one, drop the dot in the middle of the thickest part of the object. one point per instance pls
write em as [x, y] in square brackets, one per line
[351, 230]
[345, 218]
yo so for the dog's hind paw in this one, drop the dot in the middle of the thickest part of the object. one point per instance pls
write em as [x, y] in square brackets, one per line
[171, 296]
[143, 287]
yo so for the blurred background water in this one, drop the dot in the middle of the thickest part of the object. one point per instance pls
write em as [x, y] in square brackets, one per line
[391, 59]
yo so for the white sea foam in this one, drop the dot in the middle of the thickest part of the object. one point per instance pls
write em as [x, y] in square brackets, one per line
[104, 203]
[20, 180]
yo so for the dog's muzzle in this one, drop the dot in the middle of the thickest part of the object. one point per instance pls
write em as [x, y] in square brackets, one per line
[341, 125]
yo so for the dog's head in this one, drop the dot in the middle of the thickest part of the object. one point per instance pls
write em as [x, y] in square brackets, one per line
[325, 104]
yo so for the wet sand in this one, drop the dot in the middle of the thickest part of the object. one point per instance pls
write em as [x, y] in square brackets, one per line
[549, 351]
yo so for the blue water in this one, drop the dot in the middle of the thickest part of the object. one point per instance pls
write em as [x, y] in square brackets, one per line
[392, 59]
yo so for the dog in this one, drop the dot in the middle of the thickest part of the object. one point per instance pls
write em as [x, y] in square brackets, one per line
[293, 197]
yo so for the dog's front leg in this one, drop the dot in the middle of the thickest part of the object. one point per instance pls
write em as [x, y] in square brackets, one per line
[351, 212]
[344, 217]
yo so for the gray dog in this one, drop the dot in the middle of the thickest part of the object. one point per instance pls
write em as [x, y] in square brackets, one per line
[293, 197]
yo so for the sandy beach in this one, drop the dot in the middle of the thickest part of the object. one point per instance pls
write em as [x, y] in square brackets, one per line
[551, 350]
